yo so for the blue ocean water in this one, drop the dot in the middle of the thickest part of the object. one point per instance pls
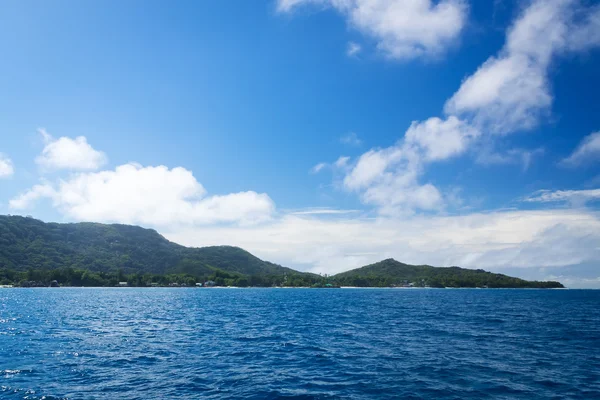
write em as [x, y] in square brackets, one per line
[298, 343]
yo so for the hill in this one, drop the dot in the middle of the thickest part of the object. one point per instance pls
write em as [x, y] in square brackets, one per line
[27, 243]
[391, 272]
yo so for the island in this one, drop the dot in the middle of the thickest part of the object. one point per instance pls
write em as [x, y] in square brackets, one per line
[38, 254]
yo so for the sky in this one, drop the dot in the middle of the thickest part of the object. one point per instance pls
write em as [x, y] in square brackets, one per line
[322, 135]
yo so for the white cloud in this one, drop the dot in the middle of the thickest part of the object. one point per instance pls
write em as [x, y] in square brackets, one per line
[6, 167]
[441, 139]
[351, 139]
[353, 49]
[156, 196]
[588, 150]
[389, 178]
[494, 241]
[403, 29]
[575, 197]
[371, 166]
[511, 92]
[67, 153]
[318, 168]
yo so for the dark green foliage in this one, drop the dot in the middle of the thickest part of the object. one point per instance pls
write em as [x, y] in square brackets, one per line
[26, 243]
[391, 272]
[82, 277]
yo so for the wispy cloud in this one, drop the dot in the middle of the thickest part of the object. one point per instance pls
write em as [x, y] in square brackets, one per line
[341, 162]
[318, 168]
[353, 49]
[588, 150]
[576, 197]
[351, 139]
[524, 157]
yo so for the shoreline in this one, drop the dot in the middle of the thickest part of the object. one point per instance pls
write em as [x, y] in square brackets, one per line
[286, 287]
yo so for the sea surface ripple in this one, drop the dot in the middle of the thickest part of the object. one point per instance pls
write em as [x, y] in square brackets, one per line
[162, 343]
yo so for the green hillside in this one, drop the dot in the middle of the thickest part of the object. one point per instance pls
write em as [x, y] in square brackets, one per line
[391, 272]
[27, 243]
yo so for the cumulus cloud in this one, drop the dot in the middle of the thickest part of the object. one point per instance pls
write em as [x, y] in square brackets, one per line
[510, 92]
[389, 178]
[68, 153]
[156, 196]
[6, 166]
[495, 241]
[441, 139]
[588, 150]
[403, 29]
[575, 197]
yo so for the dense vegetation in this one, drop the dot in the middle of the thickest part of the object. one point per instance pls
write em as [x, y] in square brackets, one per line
[81, 277]
[27, 243]
[391, 272]
[34, 253]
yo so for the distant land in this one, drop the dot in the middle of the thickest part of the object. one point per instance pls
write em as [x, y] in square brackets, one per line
[35, 253]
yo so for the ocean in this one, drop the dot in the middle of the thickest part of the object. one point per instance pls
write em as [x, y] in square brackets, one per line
[178, 343]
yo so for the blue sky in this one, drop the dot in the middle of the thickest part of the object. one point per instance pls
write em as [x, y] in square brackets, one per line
[285, 127]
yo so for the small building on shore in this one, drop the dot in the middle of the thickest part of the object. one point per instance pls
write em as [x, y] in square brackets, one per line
[123, 284]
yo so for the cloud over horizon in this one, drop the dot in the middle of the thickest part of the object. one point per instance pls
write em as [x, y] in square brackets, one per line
[156, 196]
[499, 240]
